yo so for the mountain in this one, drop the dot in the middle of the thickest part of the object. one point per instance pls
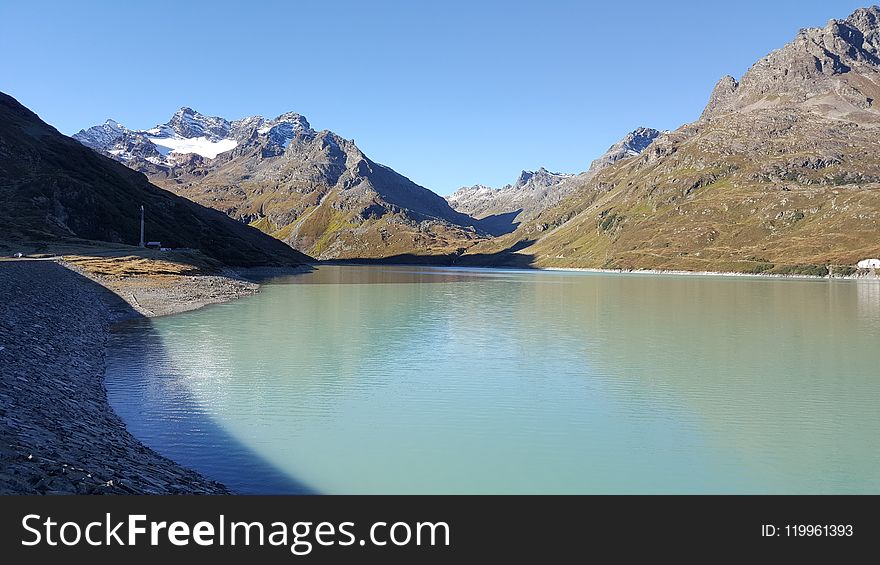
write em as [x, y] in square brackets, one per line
[501, 210]
[780, 174]
[631, 145]
[497, 209]
[830, 71]
[311, 189]
[189, 136]
[54, 188]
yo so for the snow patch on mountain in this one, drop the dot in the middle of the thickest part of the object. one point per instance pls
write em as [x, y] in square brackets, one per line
[198, 145]
[189, 132]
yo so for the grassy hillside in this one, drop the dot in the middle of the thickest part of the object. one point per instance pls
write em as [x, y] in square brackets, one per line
[738, 193]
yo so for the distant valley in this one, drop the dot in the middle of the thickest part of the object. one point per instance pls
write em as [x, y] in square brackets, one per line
[501, 210]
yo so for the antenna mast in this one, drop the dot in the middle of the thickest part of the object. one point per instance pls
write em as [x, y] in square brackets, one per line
[141, 244]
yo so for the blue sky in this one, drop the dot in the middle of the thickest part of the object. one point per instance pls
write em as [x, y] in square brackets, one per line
[448, 93]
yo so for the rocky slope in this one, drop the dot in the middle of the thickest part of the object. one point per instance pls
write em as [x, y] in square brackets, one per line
[501, 210]
[781, 173]
[53, 189]
[311, 189]
[58, 434]
[631, 145]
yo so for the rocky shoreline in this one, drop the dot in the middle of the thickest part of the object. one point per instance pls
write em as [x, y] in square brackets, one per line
[58, 434]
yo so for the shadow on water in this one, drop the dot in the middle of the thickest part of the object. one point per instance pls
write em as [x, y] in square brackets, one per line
[140, 373]
[509, 257]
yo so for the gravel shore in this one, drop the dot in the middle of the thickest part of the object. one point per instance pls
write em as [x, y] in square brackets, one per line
[58, 433]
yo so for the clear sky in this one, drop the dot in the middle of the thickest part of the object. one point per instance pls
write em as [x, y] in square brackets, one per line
[448, 93]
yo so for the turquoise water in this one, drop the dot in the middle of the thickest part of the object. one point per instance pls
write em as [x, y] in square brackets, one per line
[435, 380]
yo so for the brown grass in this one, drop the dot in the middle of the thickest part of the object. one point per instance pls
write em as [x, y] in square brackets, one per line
[130, 266]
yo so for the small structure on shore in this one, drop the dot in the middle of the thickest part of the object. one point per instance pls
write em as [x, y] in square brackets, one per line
[153, 245]
[870, 265]
[141, 243]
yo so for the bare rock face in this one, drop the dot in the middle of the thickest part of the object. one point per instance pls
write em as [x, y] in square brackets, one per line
[631, 145]
[721, 94]
[833, 70]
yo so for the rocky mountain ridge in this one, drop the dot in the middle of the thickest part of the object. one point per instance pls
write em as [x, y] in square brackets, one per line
[189, 133]
[498, 208]
[314, 190]
[832, 71]
[501, 210]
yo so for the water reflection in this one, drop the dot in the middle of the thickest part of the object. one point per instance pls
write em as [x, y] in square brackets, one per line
[868, 292]
[155, 400]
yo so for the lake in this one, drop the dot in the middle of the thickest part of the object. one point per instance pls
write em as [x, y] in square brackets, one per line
[391, 379]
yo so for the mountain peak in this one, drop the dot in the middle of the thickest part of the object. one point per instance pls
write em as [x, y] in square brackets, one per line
[191, 132]
[188, 123]
[98, 137]
[289, 116]
[538, 179]
[722, 92]
[283, 129]
[836, 68]
[534, 191]
[297, 120]
[865, 19]
[524, 177]
[632, 144]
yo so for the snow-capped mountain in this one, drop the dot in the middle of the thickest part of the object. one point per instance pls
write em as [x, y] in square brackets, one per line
[104, 135]
[314, 190]
[190, 133]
